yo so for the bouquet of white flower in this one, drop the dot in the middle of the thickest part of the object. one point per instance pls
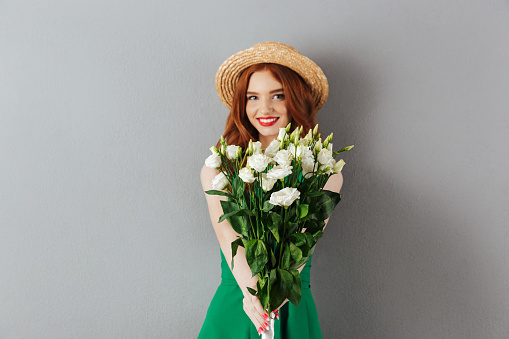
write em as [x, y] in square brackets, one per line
[276, 202]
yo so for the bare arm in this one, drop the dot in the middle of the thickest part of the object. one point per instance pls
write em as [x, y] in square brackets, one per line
[225, 235]
[334, 185]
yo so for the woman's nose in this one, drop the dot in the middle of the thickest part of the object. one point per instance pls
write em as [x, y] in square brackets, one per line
[266, 106]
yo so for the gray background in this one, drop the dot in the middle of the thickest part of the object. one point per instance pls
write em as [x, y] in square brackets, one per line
[107, 111]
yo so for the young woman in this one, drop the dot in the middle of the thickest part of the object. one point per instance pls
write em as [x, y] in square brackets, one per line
[265, 87]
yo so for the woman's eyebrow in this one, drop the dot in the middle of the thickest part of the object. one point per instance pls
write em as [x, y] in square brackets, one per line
[273, 91]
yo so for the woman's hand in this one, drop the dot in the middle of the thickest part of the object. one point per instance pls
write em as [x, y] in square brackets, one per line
[255, 312]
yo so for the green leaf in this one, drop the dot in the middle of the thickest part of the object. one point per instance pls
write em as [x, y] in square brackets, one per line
[216, 192]
[252, 291]
[286, 279]
[302, 210]
[292, 228]
[312, 226]
[297, 265]
[296, 291]
[298, 238]
[241, 188]
[261, 283]
[305, 250]
[309, 239]
[274, 225]
[263, 295]
[295, 252]
[317, 235]
[272, 259]
[256, 255]
[281, 285]
[311, 250]
[315, 194]
[323, 205]
[245, 212]
[235, 245]
[285, 260]
[267, 206]
[272, 276]
[238, 223]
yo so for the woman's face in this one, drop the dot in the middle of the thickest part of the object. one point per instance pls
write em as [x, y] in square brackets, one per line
[266, 106]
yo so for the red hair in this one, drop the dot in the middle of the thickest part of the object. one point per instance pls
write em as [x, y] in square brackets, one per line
[298, 98]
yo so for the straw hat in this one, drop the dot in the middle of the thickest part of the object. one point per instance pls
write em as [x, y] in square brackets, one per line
[229, 72]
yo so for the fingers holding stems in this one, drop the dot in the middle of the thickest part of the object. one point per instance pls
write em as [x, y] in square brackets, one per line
[258, 316]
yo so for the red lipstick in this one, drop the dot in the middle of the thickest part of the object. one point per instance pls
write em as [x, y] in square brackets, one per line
[268, 121]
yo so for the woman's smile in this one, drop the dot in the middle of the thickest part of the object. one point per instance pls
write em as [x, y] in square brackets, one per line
[267, 121]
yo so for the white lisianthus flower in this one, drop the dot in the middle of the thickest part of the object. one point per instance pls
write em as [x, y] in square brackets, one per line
[300, 151]
[283, 157]
[307, 153]
[282, 134]
[246, 174]
[304, 142]
[328, 167]
[219, 182]
[284, 197]
[273, 148]
[231, 152]
[267, 183]
[279, 172]
[324, 156]
[258, 162]
[308, 166]
[257, 147]
[338, 166]
[213, 161]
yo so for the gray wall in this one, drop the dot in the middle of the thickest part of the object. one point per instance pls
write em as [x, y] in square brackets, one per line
[107, 110]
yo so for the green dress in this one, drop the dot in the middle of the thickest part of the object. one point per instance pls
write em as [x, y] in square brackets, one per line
[226, 318]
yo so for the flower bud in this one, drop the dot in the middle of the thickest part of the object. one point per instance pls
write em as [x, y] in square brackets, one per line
[347, 148]
[257, 147]
[327, 140]
[282, 135]
[223, 142]
[338, 166]
[214, 149]
[318, 146]
[294, 137]
[315, 130]
[249, 150]
[223, 149]
[239, 152]
[299, 135]
[309, 137]
[288, 127]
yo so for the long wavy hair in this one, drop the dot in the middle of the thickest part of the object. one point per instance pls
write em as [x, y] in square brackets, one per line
[298, 98]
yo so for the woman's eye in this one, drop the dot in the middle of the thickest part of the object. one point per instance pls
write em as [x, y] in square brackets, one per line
[252, 97]
[279, 96]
